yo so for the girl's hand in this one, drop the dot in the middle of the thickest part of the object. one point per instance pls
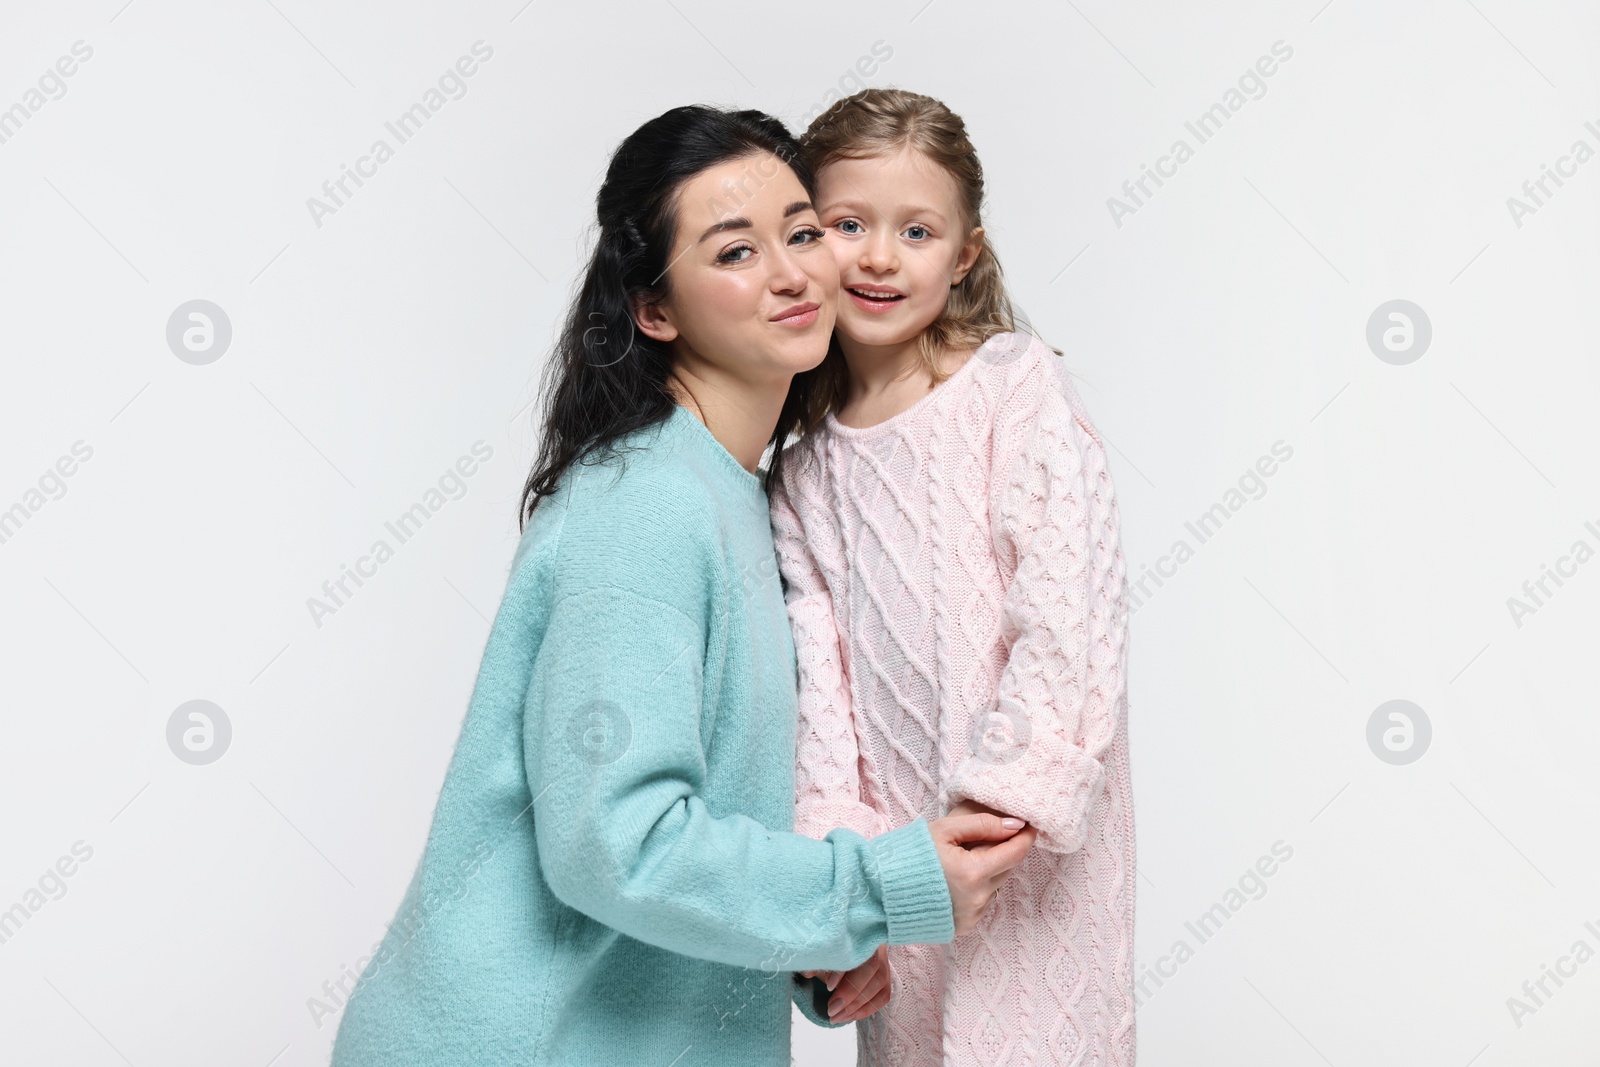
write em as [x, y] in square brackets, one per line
[861, 991]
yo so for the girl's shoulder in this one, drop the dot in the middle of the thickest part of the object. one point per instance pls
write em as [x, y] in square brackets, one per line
[1027, 380]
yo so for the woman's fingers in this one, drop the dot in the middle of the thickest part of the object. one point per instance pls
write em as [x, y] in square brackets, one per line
[844, 994]
[859, 987]
[974, 829]
[876, 1004]
[1002, 858]
[872, 995]
[968, 806]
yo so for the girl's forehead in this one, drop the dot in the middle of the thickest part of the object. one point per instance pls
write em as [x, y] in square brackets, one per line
[894, 179]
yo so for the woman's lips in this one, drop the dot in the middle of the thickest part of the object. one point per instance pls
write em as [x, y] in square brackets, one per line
[875, 300]
[801, 315]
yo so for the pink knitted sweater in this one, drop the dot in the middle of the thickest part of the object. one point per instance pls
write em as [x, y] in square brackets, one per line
[955, 581]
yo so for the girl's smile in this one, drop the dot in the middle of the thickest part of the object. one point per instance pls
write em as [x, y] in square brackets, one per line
[875, 299]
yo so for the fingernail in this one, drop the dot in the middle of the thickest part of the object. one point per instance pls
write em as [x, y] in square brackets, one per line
[1011, 824]
[833, 981]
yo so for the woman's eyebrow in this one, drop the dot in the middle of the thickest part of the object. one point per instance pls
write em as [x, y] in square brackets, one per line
[739, 222]
[735, 223]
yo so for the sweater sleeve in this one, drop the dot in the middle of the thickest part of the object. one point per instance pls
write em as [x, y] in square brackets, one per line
[1037, 752]
[828, 789]
[614, 743]
[811, 996]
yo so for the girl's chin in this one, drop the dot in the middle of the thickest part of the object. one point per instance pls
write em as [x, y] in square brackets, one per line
[875, 333]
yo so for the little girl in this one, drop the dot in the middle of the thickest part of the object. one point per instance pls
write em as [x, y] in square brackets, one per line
[950, 548]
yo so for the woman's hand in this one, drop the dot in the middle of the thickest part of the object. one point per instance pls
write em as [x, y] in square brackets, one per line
[858, 992]
[978, 850]
[967, 806]
[975, 874]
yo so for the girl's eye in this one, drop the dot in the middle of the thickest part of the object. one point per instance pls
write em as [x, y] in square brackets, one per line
[734, 254]
[917, 233]
[850, 226]
[808, 235]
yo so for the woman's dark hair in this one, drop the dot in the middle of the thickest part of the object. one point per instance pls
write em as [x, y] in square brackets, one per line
[604, 378]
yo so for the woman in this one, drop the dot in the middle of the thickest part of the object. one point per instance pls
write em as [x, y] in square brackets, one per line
[609, 878]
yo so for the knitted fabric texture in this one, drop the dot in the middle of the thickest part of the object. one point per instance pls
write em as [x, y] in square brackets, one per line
[609, 879]
[955, 580]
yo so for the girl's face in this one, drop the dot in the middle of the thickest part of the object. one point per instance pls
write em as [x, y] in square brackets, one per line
[752, 291]
[896, 229]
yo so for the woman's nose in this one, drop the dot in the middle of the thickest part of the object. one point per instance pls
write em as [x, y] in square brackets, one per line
[788, 276]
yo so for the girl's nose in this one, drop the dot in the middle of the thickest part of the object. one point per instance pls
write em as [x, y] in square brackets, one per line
[878, 256]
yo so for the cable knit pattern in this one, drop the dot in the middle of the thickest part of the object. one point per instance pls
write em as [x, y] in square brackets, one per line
[955, 580]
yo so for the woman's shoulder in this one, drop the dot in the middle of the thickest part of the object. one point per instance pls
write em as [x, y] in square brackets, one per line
[633, 514]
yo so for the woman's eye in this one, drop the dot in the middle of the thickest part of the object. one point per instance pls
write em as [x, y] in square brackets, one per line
[806, 236]
[917, 233]
[850, 226]
[734, 254]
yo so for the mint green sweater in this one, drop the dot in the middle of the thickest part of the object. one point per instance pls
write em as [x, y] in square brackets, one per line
[610, 877]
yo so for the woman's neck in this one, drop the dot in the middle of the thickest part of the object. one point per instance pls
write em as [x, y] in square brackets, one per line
[740, 415]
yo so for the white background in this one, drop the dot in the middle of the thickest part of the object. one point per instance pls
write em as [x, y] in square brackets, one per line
[1227, 313]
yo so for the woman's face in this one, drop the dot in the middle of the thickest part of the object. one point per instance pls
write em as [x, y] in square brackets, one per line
[752, 290]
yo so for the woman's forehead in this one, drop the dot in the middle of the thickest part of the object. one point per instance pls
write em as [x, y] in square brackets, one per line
[753, 187]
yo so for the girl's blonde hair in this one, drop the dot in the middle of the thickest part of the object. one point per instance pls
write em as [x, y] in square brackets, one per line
[877, 122]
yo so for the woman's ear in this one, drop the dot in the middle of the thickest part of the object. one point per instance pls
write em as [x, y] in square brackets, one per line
[971, 248]
[653, 319]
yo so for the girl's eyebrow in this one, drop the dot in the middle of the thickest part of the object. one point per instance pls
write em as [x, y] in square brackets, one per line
[844, 205]
[926, 212]
[858, 205]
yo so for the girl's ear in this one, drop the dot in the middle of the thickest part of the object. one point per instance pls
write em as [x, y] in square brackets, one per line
[653, 319]
[970, 250]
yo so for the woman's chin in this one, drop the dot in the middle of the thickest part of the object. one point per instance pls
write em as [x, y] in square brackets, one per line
[801, 354]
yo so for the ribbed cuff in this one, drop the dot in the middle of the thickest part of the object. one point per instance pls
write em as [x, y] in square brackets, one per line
[916, 897]
[1059, 811]
[811, 996]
